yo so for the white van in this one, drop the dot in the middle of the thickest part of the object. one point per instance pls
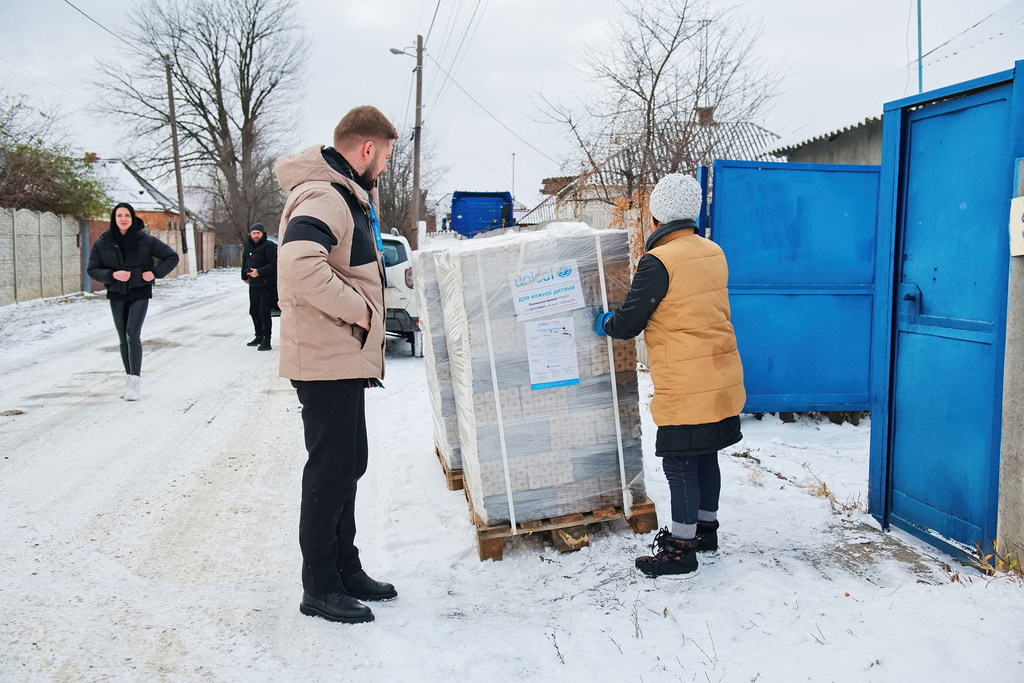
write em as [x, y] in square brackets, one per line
[402, 319]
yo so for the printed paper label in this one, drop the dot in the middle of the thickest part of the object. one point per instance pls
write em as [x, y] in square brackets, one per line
[544, 290]
[1017, 226]
[551, 347]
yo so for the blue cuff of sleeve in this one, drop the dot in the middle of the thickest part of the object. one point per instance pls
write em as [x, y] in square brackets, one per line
[599, 323]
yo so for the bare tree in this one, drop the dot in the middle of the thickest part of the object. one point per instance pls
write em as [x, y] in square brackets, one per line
[234, 65]
[395, 185]
[676, 72]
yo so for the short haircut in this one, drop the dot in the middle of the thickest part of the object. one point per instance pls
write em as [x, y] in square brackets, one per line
[363, 123]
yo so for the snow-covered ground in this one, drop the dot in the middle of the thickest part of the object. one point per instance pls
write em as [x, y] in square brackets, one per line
[156, 540]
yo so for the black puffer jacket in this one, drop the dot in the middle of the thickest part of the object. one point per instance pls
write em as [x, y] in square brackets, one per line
[262, 256]
[137, 252]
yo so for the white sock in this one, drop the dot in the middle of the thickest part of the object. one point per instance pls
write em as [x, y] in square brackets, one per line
[684, 532]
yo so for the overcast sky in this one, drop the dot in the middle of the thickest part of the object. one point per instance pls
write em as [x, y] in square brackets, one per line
[510, 51]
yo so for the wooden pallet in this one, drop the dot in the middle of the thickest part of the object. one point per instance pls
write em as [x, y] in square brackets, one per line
[452, 477]
[568, 532]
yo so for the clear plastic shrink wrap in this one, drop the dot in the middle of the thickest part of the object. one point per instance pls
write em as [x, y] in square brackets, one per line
[435, 355]
[543, 428]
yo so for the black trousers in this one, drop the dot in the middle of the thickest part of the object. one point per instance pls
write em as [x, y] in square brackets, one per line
[334, 422]
[128, 319]
[260, 301]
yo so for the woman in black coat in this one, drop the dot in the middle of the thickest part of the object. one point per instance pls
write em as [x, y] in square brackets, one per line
[126, 259]
[259, 269]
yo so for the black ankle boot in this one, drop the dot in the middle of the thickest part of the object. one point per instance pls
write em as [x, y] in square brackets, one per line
[362, 587]
[707, 536]
[335, 607]
[255, 341]
[264, 344]
[674, 556]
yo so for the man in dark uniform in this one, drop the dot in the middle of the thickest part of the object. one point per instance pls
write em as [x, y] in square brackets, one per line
[259, 269]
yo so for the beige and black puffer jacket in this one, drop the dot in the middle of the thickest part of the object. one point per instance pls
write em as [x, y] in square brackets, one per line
[329, 272]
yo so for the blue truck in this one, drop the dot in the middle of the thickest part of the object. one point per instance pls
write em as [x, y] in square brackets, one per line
[476, 212]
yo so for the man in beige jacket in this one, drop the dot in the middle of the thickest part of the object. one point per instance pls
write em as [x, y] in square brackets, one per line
[331, 295]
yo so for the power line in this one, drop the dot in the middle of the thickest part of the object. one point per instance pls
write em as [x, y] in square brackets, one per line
[436, 7]
[71, 4]
[442, 51]
[467, 37]
[43, 80]
[436, 86]
[867, 101]
[496, 119]
[408, 99]
[969, 28]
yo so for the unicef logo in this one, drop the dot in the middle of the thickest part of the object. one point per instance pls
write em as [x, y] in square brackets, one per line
[565, 272]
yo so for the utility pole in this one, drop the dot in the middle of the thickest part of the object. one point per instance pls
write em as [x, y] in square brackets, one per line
[177, 160]
[414, 209]
[416, 138]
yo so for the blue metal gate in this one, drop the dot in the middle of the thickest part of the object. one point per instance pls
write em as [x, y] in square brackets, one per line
[800, 241]
[941, 308]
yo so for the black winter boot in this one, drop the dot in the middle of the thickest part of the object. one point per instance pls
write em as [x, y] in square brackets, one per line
[362, 587]
[255, 341]
[264, 344]
[707, 536]
[335, 607]
[674, 556]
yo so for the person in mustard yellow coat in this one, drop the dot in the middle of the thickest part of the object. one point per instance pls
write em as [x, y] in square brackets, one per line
[679, 299]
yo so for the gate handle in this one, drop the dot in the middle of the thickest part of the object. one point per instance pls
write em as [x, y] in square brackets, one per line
[909, 297]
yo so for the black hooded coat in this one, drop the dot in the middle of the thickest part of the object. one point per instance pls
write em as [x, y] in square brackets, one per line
[262, 256]
[136, 251]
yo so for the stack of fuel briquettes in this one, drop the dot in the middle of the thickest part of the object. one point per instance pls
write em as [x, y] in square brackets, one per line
[435, 356]
[545, 428]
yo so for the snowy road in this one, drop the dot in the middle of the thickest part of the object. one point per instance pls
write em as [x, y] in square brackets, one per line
[156, 540]
[122, 507]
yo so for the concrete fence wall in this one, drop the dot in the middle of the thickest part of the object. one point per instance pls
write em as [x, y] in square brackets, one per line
[39, 255]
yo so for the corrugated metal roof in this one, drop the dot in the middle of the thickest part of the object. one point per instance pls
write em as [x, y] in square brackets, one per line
[776, 150]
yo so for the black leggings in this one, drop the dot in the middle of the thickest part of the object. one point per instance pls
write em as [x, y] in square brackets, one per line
[128, 319]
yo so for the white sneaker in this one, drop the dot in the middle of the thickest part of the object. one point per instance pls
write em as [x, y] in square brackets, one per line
[127, 383]
[133, 388]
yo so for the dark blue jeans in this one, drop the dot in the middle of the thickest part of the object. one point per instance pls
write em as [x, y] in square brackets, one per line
[695, 482]
[128, 319]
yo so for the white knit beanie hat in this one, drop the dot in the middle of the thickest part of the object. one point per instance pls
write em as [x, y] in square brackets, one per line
[676, 197]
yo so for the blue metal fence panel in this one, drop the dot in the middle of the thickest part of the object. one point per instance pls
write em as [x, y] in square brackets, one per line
[800, 241]
[881, 332]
